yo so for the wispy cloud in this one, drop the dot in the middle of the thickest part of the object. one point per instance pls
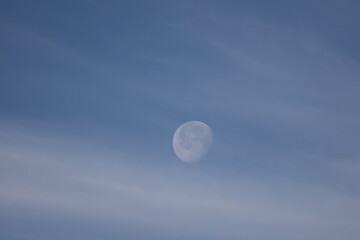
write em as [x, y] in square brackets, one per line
[57, 175]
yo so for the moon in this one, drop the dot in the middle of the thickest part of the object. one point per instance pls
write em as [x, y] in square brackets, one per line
[192, 141]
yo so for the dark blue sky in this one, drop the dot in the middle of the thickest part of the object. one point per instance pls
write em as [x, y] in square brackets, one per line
[91, 93]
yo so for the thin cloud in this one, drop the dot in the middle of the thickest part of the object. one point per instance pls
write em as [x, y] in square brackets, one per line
[139, 194]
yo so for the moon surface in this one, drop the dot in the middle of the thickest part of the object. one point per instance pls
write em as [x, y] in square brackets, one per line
[192, 141]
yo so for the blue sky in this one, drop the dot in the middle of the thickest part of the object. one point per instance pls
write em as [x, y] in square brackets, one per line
[91, 93]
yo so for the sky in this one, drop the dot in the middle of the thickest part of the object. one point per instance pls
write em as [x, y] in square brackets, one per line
[91, 93]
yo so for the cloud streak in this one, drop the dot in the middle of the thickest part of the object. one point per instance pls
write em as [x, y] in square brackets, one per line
[107, 187]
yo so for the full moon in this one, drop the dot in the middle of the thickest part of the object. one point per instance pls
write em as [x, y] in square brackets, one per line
[192, 141]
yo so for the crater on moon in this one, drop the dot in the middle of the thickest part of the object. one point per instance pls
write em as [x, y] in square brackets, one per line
[192, 141]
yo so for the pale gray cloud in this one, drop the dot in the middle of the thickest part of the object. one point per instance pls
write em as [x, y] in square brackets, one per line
[54, 176]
